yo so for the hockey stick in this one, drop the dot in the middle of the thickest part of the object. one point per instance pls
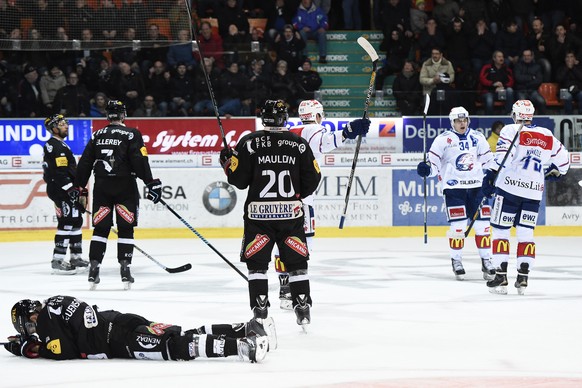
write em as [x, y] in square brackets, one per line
[374, 58]
[425, 111]
[206, 76]
[474, 218]
[181, 268]
[203, 239]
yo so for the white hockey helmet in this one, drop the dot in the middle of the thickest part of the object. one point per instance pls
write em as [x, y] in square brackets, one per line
[459, 112]
[522, 110]
[309, 109]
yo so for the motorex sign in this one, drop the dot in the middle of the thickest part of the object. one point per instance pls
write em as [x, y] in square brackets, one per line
[21, 137]
[413, 128]
[408, 201]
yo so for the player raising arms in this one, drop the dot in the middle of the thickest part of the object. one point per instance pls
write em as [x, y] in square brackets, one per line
[458, 157]
[518, 190]
[321, 141]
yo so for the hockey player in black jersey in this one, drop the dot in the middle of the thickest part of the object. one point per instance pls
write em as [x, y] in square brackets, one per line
[117, 156]
[279, 169]
[66, 328]
[59, 165]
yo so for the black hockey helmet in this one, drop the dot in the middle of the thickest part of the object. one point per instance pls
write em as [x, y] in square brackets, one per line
[53, 121]
[21, 313]
[274, 113]
[115, 110]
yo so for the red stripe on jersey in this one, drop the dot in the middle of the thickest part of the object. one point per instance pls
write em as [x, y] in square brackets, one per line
[296, 130]
[536, 139]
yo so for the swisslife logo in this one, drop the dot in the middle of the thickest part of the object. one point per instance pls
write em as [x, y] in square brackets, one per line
[387, 128]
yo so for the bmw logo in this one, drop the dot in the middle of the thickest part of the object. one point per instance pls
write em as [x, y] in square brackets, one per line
[219, 198]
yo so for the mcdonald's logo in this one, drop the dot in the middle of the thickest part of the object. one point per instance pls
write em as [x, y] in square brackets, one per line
[527, 249]
[456, 243]
[501, 246]
[483, 241]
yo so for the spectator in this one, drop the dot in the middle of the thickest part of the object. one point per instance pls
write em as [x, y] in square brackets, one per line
[230, 14]
[87, 77]
[560, 44]
[311, 22]
[36, 54]
[473, 10]
[289, 48]
[279, 13]
[88, 52]
[408, 90]
[458, 48]
[98, 105]
[43, 18]
[235, 45]
[106, 21]
[537, 41]
[29, 103]
[80, 16]
[494, 136]
[157, 84]
[181, 91]
[283, 85]
[437, 73]
[553, 12]
[6, 98]
[129, 86]
[444, 11]
[528, 78]
[511, 42]
[127, 54]
[73, 99]
[232, 85]
[418, 17]
[307, 80]
[148, 108]
[496, 83]
[352, 18]
[50, 83]
[180, 20]
[482, 45]
[523, 11]
[211, 45]
[156, 50]
[203, 103]
[61, 56]
[430, 37]
[394, 14]
[397, 51]
[135, 15]
[258, 49]
[569, 77]
[260, 86]
[181, 51]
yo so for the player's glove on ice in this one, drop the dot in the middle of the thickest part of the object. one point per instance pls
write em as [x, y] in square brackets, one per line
[23, 347]
[355, 128]
[552, 173]
[154, 191]
[225, 155]
[423, 169]
[487, 186]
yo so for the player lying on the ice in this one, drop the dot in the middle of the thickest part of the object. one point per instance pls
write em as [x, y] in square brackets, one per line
[64, 328]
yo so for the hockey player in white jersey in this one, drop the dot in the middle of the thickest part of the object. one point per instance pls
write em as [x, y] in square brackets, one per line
[458, 157]
[518, 190]
[321, 141]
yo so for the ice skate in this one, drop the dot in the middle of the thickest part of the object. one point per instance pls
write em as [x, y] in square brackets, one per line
[522, 275]
[286, 303]
[266, 328]
[303, 312]
[61, 267]
[499, 284]
[253, 349]
[94, 274]
[488, 269]
[80, 264]
[458, 269]
[261, 311]
[125, 272]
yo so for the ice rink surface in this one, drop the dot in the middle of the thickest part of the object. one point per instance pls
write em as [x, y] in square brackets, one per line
[387, 313]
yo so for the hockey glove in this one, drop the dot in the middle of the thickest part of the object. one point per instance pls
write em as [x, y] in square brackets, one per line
[74, 193]
[83, 194]
[355, 128]
[487, 187]
[225, 155]
[423, 169]
[19, 347]
[154, 191]
[552, 173]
